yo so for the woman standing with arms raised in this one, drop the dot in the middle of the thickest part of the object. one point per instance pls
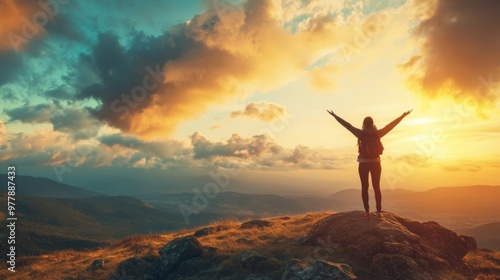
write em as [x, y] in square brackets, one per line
[369, 150]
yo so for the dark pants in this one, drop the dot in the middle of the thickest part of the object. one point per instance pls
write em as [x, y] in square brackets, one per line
[375, 169]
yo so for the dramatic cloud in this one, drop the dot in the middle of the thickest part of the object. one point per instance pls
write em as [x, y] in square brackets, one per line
[261, 152]
[150, 86]
[262, 110]
[460, 56]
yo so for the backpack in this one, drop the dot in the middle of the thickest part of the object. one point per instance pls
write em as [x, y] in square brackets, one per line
[370, 146]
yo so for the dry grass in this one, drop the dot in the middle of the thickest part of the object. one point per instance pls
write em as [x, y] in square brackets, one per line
[276, 241]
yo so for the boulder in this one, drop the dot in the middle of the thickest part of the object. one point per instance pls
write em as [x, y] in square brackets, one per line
[395, 246]
[175, 252]
[253, 261]
[319, 270]
[256, 224]
[135, 268]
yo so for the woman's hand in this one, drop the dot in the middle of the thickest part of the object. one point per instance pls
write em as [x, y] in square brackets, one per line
[331, 113]
[407, 113]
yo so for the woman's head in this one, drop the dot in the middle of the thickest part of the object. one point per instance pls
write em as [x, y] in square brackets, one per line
[368, 123]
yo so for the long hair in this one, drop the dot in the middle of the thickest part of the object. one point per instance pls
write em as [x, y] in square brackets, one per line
[368, 124]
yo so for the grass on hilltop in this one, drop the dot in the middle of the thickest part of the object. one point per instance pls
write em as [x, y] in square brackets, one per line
[278, 242]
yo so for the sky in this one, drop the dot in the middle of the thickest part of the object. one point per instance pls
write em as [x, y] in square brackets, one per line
[125, 89]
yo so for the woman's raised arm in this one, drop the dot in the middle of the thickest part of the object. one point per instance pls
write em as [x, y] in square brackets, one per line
[357, 132]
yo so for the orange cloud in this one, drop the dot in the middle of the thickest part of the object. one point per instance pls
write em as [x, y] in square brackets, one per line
[228, 54]
[23, 21]
[459, 56]
[262, 110]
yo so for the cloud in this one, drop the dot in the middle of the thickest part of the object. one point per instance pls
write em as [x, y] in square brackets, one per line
[262, 110]
[219, 54]
[10, 66]
[471, 167]
[41, 113]
[261, 152]
[73, 120]
[415, 160]
[24, 21]
[168, 148]
[17, 22]
[76, 122]
[459, 56]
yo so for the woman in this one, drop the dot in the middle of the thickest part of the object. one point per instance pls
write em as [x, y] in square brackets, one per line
[369, 163]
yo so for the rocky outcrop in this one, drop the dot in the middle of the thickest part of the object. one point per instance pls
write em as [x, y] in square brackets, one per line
[136, 268]
[253, 261]
[319, 270]
[209, 230]
[392, 248]
[396, 247]
[175, 252]
[256, 224]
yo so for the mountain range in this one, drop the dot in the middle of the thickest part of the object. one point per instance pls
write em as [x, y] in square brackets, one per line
[55, 216]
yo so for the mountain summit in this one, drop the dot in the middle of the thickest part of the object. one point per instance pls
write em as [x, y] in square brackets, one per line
[310, 246]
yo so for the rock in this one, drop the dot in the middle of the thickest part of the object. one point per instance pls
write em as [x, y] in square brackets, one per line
[202, 267]
[256, 224]
[95, 265]
[209, 230]
[394, 246]
[399, 266]
[135, 268]
[319, 270]
[175, 252]
[255, 262]
[293, 269]
[444, 242]
[209, 251]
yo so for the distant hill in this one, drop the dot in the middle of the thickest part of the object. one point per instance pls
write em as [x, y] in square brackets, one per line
[46, 224]
[224, 205]
[308, 246]
[487, 235]
[37, 186]
[481, 201]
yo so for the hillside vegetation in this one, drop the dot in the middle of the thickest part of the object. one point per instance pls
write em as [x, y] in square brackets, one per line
[269, 249]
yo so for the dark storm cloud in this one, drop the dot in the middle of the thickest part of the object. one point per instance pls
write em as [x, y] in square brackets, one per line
[461, 54]
[121, 69]
[63, 26]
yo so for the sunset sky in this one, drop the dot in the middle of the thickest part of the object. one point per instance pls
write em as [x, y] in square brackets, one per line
[189, 87]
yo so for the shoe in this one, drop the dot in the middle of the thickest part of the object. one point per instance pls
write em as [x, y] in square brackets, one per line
[380, 216]
[366, 215]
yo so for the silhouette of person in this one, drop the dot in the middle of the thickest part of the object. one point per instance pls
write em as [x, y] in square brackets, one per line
[369, 165]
